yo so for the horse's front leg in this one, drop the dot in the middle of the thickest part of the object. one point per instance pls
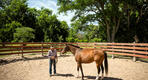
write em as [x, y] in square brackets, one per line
[81, 71]
[78, 66]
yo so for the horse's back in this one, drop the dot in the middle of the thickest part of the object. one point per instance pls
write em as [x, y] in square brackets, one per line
[87, 55]
[94, 51]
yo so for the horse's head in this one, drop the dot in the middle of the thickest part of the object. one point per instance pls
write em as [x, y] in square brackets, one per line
[65, 49]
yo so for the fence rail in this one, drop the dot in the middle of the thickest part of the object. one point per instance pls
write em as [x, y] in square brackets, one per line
[128, 49]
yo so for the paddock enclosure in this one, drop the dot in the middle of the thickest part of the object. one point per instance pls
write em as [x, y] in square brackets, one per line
[27, 61]
[128, 49]
[35, 67]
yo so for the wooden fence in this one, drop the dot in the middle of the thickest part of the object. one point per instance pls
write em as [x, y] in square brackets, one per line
[128, 49]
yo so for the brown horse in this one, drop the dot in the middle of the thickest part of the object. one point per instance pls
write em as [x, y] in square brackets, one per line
[85, 55]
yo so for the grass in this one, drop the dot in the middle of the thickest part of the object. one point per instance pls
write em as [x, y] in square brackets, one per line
[4, 56]
[143, 60]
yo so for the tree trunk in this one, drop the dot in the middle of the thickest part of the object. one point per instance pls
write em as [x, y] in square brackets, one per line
[115, 29]
[128, 17]
[108, 32]
[113, 34]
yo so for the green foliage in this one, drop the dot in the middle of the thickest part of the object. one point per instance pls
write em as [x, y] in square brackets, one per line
[24, 34]
[134, 22]
[41, 24]
[16, 11]
[84, 33]
[12, 16]
[120, 20]
[52, 29]
[116, 21]
[6, 33]
[96, 40]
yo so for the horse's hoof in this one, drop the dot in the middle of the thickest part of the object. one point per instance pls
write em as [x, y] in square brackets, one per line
[77, 76]
[102, 78]
[97, 78]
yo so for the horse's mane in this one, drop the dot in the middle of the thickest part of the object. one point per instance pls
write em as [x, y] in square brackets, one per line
[74, 46]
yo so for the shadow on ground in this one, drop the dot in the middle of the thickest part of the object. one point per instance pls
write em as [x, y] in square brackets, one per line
[87, 77]
[105, 78]
[64, 75]
[4, 62]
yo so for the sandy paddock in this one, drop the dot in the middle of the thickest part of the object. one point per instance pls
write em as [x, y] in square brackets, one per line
[37, 68]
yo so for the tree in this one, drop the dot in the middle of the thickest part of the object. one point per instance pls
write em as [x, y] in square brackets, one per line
[108, 13]
[74, 32]
[134, 21]
[4, 3]
[16, 11]
[8, 30]
[95, 10]
[15, 15]
[24, 34]
[63, 31]
[93, 34]
[52, 29]
[12, 14]
[85, 33]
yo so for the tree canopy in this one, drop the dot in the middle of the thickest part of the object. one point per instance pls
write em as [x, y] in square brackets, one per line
[20, 23]
[94, 21]
[23, 34]
[120, 19]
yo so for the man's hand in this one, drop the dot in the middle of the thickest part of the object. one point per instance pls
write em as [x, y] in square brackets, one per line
[56, 59]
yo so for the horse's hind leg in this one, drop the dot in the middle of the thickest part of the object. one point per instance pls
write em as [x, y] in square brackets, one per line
[98, 68]
[99, 64]
[102, 68]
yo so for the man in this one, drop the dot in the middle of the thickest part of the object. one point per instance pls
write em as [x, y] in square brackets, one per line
[52, 55]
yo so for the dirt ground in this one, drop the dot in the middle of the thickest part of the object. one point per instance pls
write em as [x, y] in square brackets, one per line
[37, 68]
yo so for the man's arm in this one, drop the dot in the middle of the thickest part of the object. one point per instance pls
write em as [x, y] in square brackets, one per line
[55, 53]
[48, 53]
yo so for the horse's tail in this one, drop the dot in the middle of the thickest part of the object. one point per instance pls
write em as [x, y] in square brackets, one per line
[106, 63]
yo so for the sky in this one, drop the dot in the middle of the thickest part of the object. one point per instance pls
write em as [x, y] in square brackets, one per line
[52, 5]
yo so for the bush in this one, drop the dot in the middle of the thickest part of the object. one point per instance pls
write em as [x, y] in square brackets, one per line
[23, 34]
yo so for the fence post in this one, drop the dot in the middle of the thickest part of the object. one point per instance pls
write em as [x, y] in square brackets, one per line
[3, 44]
[18, 51]
[94, 45]
[59, 48]
[22, 47]
[134, 58]
[113, 54]
[42, 48]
